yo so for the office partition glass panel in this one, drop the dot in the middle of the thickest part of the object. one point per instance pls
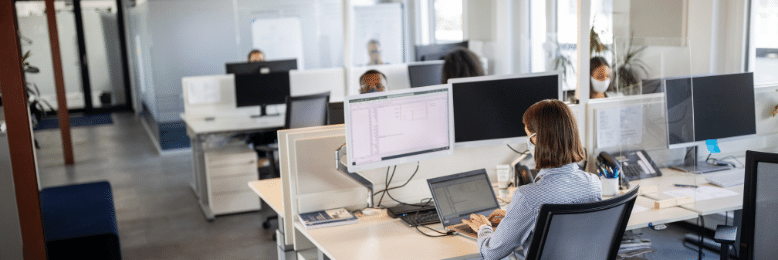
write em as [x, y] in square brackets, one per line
[312, 31]
[764, 41]
[646, 134]
[101, 35]
[553, 39]
[380, 34]
[39, 71]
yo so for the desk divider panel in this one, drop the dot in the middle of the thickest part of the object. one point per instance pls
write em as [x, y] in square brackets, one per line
[215, 97]
[287, 161]
[306, 82]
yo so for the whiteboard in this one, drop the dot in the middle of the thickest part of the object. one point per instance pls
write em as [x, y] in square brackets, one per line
[384, 23]
[279, 38]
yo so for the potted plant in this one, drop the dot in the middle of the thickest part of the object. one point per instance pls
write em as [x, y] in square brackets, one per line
[630, 70]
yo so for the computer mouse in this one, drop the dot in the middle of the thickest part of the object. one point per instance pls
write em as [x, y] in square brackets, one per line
[371, 211]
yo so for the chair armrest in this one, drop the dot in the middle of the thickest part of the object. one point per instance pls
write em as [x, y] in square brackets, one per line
[725, 234]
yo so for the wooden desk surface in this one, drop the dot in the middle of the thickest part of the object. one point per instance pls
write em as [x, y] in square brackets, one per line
[671, 177]
[270, 191]
[232, 123]
[381, 237]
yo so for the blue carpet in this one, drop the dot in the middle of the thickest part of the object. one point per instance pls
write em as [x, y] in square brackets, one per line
[76, 121]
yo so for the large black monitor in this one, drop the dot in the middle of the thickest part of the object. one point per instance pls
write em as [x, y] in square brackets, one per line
[425, 74]
[488, 110]
[261, 66]
[261, 89]
[700, 108]
[436, 51]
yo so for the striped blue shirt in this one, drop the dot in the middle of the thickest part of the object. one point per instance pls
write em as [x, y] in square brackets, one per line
[563, 185]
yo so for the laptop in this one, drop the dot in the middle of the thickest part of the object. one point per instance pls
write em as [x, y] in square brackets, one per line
[458, 195]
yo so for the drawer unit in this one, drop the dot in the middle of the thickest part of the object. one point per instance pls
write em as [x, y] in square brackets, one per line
[228, 171]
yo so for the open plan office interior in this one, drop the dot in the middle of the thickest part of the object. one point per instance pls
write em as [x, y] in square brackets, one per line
[389, 129]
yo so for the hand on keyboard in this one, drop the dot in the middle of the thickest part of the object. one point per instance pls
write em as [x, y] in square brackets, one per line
[476, 221]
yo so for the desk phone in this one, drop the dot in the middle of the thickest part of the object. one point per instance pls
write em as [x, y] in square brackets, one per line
[637, 164]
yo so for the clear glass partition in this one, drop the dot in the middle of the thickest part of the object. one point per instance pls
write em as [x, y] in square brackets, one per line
[648, 128]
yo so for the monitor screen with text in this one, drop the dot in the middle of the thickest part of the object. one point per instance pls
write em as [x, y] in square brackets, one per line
[396, 127]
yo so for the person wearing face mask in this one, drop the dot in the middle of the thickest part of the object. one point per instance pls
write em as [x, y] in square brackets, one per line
[552, 137]
[600, 73]
[372, 81]
[374, 52]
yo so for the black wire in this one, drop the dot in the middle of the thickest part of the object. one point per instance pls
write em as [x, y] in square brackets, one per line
[445, 235]
[387, 183]
[702, 229]
[397, 187]
[522, 153]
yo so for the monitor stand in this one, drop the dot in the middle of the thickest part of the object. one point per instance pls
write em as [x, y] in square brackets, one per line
[263, 112]
[693, 166]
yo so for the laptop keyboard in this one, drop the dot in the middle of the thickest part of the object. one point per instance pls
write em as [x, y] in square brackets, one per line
[421, 219]
[464, 229]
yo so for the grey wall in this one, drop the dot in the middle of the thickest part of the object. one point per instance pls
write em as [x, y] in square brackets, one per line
[10, 231]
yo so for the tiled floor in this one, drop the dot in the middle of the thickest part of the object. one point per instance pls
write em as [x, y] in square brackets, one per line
[156, 210]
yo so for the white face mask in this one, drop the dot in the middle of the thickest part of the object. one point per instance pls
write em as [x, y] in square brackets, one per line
[530, 145]
[600, 86]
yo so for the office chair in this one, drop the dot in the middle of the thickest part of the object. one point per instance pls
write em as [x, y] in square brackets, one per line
[301, 111]
[760, 206]
[569, 231]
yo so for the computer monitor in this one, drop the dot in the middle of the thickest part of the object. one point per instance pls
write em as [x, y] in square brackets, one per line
[436, 51]
[261, 67]
[700, 108]
[489, 110]
[261, 89]
[425, 73]
[401, 126]
[335, 113]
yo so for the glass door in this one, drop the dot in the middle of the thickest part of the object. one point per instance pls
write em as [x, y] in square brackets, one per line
[93, 64]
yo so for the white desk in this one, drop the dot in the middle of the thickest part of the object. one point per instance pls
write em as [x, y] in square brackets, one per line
[197, 128]
[671, 177]
[269, 190]
[657, 216]
[381, 237]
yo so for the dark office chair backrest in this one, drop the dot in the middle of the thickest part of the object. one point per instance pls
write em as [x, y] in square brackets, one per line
[760, 206]
[335, 114]
[306, 111]
[581, 231]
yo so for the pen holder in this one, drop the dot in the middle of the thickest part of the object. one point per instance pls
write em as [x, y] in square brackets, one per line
[610, 186]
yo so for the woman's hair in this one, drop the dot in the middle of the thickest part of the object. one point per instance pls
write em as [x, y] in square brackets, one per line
[252, 52]
[557, 142]
[595, 63]
[461, 63]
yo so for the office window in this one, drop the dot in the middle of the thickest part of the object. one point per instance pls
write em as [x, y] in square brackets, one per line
[448, 21]
[765, 41]
[553, 34]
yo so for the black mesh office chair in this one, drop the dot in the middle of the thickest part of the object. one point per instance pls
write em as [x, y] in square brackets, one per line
[571, 231]
[760, 206]
[301, 111]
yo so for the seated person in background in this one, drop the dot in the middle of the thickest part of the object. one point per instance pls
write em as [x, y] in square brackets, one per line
[256, 55]
[372, 81]
[552, 137]
[600, 77]
[461, 63]
[374, 52]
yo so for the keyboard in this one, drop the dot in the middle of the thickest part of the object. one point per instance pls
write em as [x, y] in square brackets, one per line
[727, 180]
[421, 219]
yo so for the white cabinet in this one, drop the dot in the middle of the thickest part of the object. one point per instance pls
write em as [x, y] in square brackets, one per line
[228, 171]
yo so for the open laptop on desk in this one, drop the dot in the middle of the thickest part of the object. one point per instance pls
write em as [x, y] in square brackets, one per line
[459, 195]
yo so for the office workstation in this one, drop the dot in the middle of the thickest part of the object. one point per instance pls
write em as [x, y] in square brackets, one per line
[416, 129]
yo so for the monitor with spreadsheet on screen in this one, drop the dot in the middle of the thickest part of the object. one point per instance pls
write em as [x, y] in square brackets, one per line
[396, 127]
[489, 110]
